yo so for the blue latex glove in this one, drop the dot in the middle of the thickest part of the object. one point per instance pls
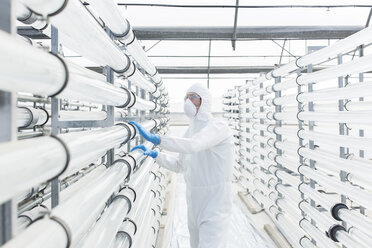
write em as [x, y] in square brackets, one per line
[151, 153]
[153, 138]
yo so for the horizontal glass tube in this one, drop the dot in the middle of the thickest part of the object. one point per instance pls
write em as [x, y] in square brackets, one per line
[86, 85]
[349, 43]
[358, 106]
[81, 115]
[139, 80]
[354, 193]
[357, 117]
[288, 162]
[337, 140]
[358, 65]
[356, 219]
[28, 117]
[87, 146]
[291, 83]
[287, 178]
[349, 92]
[81, 33]
[28, 69]
[345, 239]
[318, 235]
[27, 163]
[361, 167]
[360, 236]
[104, 231]
[285, 100]
[322, 220]
[142, 104]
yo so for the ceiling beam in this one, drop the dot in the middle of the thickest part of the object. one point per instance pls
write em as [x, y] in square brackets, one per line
[245, 33]
[225, 33]
[217, 69]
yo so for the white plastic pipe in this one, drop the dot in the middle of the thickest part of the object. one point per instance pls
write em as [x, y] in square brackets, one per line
[142, 104]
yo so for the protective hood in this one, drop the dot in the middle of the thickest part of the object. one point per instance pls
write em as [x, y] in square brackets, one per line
[204, 112]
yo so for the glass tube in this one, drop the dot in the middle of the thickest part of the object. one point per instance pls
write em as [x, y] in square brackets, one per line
[86, 85]
[104, 231]
[345, 239]
[358, 106]
[291, 83]
[142, 104]
[27, 163]
[285, 100]
[84, 35]
[356, 117]
[28, 69]
[24, 117]
[358, 65]
[321, 239]
[87, 146]
[349, 92]
[81, 115]
[139, 80]
[82, 210]
[355, 193]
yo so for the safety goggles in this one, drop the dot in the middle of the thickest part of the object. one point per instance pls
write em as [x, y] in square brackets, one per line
[192, 97]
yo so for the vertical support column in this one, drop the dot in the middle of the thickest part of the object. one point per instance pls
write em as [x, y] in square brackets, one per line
[55, 107]
[278, 123]
[361, 99]
[110, 109]
[8, 210]
[311, 125]
[342, 131]
[300, 140]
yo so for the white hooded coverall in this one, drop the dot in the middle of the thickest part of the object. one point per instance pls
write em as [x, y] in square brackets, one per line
[206, 157]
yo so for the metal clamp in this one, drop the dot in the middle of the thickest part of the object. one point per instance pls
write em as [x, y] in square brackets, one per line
[128, 98]
[60, 9]
[128, 131]
[68, 157]
[331, 233]
[65, 227]
[66, 75]
[126, 68]
[126, 163]
[134, 223]
[119, 196]
[123, 34]
[336, 208]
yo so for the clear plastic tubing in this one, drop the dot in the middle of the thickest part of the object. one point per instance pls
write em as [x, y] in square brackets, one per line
[83, 33]
[28, 69]
[321, 239]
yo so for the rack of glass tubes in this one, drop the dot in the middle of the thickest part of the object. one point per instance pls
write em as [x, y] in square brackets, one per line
[303, 139]
[67, 176]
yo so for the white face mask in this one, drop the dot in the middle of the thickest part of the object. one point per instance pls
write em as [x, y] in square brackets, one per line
[189, 108]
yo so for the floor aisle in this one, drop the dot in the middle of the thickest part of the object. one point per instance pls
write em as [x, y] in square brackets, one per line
[243, 234]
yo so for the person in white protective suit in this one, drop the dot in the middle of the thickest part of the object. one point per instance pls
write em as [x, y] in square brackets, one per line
[206, 158]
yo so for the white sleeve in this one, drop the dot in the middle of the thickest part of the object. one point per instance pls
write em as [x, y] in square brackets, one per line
[208, 137]
[169, 162]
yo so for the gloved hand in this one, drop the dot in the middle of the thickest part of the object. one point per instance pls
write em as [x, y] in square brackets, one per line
[148, 152]
[153, 138]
